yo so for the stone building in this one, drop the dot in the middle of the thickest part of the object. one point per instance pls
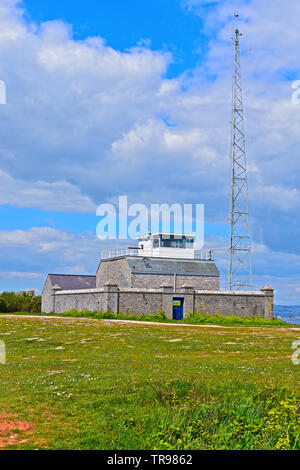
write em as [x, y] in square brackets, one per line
[144, 272]
[64, 282]
[165, 272]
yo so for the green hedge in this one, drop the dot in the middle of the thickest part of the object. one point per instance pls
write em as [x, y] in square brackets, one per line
[23, 301]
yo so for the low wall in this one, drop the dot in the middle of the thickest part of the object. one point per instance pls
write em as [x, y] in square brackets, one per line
[91, 299]
[133, 300]
[231, 303]
[140, 301]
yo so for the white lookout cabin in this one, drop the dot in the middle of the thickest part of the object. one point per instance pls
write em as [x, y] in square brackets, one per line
[162, 245]
[167, 245]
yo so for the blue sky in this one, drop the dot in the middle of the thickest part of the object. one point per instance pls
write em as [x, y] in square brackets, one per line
[125, 23]
[133, 98]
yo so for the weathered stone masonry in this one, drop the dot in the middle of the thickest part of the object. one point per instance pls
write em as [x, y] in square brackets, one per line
[132, 300]
[139, 272]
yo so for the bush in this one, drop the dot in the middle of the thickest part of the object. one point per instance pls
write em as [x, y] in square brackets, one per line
[3, 308]
[230, 320]
[158, 316]
[23, 301]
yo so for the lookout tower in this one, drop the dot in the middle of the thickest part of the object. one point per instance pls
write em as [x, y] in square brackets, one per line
[167, 245]
[159, 259]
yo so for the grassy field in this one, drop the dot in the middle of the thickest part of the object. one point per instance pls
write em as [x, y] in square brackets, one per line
[96, 384]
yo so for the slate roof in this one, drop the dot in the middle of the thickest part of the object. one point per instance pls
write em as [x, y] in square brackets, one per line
[168, 266]
[73, 281]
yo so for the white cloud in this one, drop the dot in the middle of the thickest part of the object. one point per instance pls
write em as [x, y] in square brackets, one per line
[44, 249]
[57, 196]
[166, 140]
[68, 100]
[279, 197]
[20, 274]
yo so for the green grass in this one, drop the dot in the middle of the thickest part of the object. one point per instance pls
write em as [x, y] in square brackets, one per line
[89, 384]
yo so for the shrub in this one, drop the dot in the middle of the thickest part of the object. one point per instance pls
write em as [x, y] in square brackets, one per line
[71, 313]
[3, 308]
[85, 312]
[195, 315]
[160, 316]
[36, 304]
[230, 320]
[23, 301]
[156, 317]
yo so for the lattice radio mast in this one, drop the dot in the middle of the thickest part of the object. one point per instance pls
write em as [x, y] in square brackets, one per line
[240, 259]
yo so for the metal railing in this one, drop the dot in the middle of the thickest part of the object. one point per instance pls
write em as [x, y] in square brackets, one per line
[204, 255]
[116, 252]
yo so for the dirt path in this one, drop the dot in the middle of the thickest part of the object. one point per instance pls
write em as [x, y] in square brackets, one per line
[136, 322]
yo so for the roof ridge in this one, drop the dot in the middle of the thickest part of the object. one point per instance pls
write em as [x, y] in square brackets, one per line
[74, 275]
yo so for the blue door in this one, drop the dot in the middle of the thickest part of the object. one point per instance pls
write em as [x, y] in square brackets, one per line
[177, 309]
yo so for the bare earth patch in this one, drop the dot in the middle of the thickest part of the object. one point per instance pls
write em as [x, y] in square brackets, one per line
[12, 430]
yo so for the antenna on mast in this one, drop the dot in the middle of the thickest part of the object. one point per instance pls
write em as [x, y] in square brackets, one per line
[240, 259]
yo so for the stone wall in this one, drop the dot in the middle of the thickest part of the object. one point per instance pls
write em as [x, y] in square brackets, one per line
[91, 299]
[231, 303]
[116, 269]
[147, 301]
[119, 271]
[156, 280]
[47, 297]
[129, 300]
